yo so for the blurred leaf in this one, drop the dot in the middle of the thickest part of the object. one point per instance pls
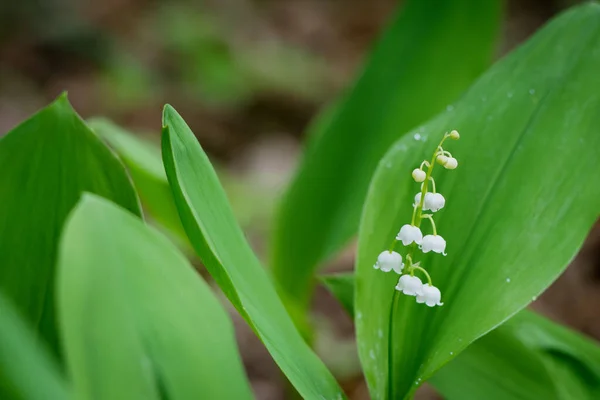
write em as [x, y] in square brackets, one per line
[26, 369]
[529, 357]
[221, 245]
[518, 207]
[425, 59]
[144, 163]
[125, 289]
[519, 360]
[45, 164]
[342, 287]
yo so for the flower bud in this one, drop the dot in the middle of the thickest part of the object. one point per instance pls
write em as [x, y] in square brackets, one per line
[451, 163]
[418, 175]
[454, 135]
[441, 159]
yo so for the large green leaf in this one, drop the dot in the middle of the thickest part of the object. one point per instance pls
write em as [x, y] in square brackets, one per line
[518, 207]
[27, 372]
[220, 243]
[426, 58]
[124, 289]
[45, 164]
[144, 163]
[529, 357]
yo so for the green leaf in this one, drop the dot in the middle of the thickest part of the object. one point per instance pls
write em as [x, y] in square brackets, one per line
[521, 360]
[529, 357]
[426, 58]
[144, 163]
[518, 207]
[26, 369]
[45, 164]
[342, 287]
[125, 289]
[220, 243]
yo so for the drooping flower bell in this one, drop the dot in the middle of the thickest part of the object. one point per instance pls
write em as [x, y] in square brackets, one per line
[434, 243]
[451, 163]
[389, 260]
[409, 234]
[419, 175]
[430, 295]
[410, 285]
[433, 201]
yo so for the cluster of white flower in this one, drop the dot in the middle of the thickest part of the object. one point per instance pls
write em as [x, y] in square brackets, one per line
[411, 235]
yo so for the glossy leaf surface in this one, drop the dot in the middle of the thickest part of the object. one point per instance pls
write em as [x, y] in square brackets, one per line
[518, 206]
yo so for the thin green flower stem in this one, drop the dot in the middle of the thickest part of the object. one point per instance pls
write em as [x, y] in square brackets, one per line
[412, 221]
[417, 223]
[430, 217]
[432, 184]
[423, 271]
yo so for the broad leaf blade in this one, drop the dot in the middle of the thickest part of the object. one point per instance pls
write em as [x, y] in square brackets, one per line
[125, 289]
[26, 369]
[45, 164]
[220, 243]
[497, 366]
[144, 163]
[427, 57]
[515, 214]
[528, 357]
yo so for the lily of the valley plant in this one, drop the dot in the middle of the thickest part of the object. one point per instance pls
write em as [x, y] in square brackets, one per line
[412, 237]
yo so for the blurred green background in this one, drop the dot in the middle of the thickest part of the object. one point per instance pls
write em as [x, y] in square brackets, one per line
[248, 75]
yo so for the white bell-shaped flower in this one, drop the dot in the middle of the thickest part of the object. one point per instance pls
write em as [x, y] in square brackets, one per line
[430, 295]
[434, 243]
[419, 175]
[389, 260]
[434, 202]
[410, 285]
[409, 234]
[425, 203]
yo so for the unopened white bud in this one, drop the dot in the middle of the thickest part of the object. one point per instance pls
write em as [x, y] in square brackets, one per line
[454, 135]
[451, 163]
[441, 159]
[418, 175]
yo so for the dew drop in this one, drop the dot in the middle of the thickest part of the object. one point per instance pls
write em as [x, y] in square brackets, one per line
[359, 315]
[507, 280]
[451, 353]
[534, 298]
[417, 136]
[531, 91]
[380, 333]
[372, 354]
[509, 95]
[449, 107]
